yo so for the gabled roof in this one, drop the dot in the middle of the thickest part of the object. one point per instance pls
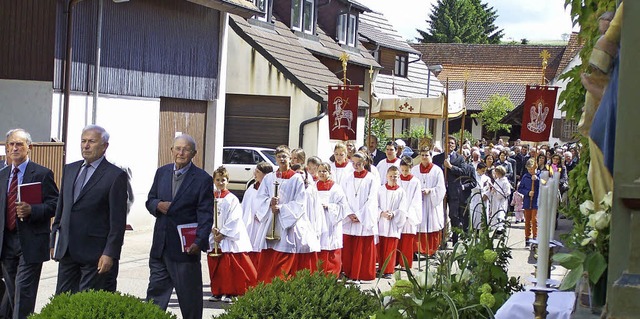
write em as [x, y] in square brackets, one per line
[328, 47]
[357, 5]
[244, 8]
[414, 85]
[376, 28]
[282, 48]
[479, 92]
[574, 46]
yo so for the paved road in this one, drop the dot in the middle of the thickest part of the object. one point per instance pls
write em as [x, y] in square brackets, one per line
[134, 270]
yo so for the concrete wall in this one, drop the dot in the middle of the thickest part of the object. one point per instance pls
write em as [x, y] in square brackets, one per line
[26, 104]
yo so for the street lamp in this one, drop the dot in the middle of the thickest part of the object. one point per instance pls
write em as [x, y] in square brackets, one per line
[436, 68]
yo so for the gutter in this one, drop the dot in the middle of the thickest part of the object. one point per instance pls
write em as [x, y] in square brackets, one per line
[323, 113]
[67, 78]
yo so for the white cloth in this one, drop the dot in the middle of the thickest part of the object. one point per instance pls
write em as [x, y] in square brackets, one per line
[230, 224]
[338, 174]
[362, 196]
[249, 216]
[393, 201]
[476, 201]
[383, 166]
[520, 305]
[292, 223]
[414, 205]
[330, 219]
[432, 203]
[499, 202]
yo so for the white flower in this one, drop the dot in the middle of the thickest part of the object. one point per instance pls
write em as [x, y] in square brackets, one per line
[602, 220]
[593, 234]
[420, 277]
[586, 208]
[607, 199]
[591, 223]
[585, 241]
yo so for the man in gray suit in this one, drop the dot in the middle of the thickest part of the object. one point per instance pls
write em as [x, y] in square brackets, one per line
[181, 194]
[88, 229]
[24, 227]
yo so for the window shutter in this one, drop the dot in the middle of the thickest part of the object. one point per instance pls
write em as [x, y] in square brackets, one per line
[557, 128]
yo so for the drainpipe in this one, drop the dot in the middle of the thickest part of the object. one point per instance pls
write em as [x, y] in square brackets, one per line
[96, 73]
[67, 78]
[323, 113]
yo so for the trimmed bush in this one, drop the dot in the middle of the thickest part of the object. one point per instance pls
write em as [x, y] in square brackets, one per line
[100, 305]
[305, 296]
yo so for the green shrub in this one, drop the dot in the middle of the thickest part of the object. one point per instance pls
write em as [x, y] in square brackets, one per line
[306, 295]
[100, 305]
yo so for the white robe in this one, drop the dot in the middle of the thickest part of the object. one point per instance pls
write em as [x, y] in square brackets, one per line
[329, 227]
[394, 201]
[292, 223]
[383, 166]
[499, 199]
[414, 205]
[249, 217]
[230, 224]
[339, 174]
[432, 203]
[476, 203]
[362, 196]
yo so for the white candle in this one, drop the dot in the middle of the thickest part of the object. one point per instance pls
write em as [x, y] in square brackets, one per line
[544, 206]
[554, 204]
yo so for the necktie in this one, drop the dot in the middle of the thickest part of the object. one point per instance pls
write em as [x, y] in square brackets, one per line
[11, 201]
[80, 181]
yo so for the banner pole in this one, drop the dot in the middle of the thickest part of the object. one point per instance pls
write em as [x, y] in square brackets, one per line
[370, 106]
[445, 209]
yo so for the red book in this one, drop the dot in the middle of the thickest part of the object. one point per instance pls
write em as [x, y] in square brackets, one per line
[30, 193]
[187, 233]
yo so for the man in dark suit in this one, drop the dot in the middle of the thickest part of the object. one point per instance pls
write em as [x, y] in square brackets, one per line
[24, 228]
[181, 194]
[459, 182]
[88, 230]
[376, 155]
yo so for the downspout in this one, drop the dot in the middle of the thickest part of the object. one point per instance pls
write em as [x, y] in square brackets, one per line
[96, 73]
[67, 78]
[323, 113]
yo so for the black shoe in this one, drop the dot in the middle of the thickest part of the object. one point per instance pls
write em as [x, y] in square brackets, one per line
[527, 243]
[387, 276]
[499, 231]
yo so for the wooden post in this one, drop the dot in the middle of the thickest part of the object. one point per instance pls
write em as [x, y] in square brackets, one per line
[370, 106]
[443, 242]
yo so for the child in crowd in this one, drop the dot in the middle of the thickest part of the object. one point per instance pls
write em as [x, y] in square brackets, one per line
[249, 215]
[499, 198]
[340, 167]
[360, 227]
[518, 210]
[392, 203]
[530, 188]
[330, 204]
[231, 271]
[392, 160]
[411, 186]
[312, 167]
[478, 196]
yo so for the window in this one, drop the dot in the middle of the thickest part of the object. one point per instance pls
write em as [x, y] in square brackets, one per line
[303, 15]
[401, 66]
[264, 6]
[565, 130]
[347, 29]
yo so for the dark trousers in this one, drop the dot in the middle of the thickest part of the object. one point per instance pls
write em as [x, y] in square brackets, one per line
[75, 277]
[455, 218]
[186, 277]
[21, 278]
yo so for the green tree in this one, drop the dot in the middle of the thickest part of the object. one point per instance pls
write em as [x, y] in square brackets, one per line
[461, 21]
[493, 110]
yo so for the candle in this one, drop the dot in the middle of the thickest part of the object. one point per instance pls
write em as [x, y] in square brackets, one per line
[544, 206]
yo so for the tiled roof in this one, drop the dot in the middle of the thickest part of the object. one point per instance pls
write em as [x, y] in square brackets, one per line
[516, 58]
[573, 48]
[357, 5]
[377, 29]
[414, 85]
[328, 47]
[479, 92]
[283, 49]
[245, 8]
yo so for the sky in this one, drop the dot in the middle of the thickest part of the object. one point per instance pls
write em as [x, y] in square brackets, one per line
[535, 20]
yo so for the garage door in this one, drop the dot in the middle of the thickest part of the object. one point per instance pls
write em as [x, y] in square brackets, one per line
[254, 120]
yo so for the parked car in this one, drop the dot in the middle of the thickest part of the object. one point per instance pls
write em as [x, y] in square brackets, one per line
[241, 161]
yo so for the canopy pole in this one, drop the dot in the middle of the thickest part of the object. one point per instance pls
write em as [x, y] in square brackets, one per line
[370, 107]
[443, 242]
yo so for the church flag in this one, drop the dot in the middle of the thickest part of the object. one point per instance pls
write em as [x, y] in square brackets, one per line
[537, 115]
[343, 112]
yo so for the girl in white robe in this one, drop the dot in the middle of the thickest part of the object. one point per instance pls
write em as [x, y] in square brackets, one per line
[249, 215]
[499, 198]
[411, 186]
[341, 167]
[478, 194]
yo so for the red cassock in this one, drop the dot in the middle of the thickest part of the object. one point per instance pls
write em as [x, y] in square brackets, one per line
[273, 264]
[386, 249]
[406, 246]
[305, 261]
[359, 257]
[428, 243]
[331, 261]
[231, 274]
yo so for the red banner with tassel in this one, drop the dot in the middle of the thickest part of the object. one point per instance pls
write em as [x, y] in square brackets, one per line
[537, 115]
[343, 112]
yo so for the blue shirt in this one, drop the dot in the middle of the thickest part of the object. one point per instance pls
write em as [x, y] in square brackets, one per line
[22, 167]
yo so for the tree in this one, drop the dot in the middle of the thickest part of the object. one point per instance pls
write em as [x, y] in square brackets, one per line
[461, 21]
[493, 110]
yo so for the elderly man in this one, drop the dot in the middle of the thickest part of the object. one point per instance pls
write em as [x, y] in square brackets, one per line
[181, 194]
[88, 229]
[24, 230]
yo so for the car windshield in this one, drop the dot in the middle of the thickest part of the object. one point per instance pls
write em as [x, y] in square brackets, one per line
[271, 155]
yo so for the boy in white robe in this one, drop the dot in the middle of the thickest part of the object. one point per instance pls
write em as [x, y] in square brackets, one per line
[360, 227]
[433, 191]
[392, 160]
[249, 215]
[411, 186]
[392, 205]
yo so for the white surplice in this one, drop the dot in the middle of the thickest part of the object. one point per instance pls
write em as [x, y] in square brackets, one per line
[432, 203]
[362, 196]
[414, 205]
[499, 202]
[230, 224]
[383, 167]
[249, 216]
[292, 223]
[476, 202]
[329, 220]
[393, 201]
[339, 174]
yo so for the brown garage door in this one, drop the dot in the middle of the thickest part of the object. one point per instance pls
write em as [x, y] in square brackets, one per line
[184, 116]
[255, 120]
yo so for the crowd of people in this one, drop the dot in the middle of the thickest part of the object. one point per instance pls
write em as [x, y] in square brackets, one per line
[347, 216]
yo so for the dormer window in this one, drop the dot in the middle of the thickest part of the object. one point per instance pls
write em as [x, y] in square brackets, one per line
[401, 66]
[303, 15]
[347, 29]
[264, 6]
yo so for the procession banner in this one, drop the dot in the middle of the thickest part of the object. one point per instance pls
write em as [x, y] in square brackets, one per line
[343, 112]
[537, 115]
